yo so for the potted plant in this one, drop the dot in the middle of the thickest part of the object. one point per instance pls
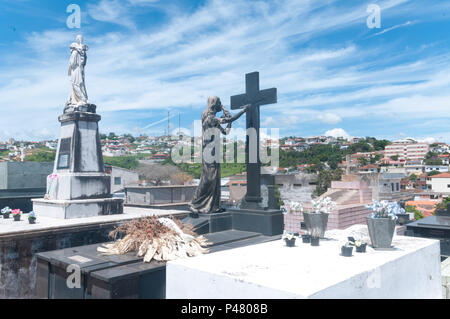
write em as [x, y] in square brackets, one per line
[315, 236]
[347, 249]
[16, 214]
[32, 217]
[306, 238]
[6, 212]
[360, 245]
[318, 218]
[381, 223]
[289, 238]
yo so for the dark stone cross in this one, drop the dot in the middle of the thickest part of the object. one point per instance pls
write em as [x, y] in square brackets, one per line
[255, 98]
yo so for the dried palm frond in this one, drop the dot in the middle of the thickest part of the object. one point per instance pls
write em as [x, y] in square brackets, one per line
[160, 239]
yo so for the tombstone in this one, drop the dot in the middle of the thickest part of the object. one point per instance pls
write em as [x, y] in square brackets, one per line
[436, 227]
[79, 186]
[252, 215]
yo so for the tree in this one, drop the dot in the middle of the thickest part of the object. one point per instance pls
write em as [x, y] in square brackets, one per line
[112, 136]
[362, 161]
[433, 173]
[413, 177]
[157, 174]
[413, 209]
[394, 157]
[181, 178]
[42, 156]
[129, 137]
[127, 162]
[324, 180]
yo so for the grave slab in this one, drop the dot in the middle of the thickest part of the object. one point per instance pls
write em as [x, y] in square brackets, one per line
[272, 270]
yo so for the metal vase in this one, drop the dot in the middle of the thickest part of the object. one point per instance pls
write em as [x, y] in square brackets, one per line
[381, 231]
[316, 221]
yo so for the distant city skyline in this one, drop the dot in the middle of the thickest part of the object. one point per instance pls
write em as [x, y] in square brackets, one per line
[333, 73]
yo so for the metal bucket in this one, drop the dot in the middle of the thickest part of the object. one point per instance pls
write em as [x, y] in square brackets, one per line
[316, 222]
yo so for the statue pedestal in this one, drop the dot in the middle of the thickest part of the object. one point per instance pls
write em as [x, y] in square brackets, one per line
[78, 187]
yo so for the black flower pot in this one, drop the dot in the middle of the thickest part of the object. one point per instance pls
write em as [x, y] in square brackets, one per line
[306, 239]
[362, 248]
[17, 218]
[381, 231]
[290, 242]
[315, 241]
[32, 220]
[402, 219]
[6, 215]
[346, 251]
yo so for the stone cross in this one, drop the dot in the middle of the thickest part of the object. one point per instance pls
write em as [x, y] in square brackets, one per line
[255, 98]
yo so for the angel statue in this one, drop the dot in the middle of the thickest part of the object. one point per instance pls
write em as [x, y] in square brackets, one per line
[207, 195]
[78, 95]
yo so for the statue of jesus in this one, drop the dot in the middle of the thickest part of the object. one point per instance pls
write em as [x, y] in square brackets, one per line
[78, 57]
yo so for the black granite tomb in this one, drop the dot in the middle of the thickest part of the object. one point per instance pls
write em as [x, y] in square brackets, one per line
[118, 276]
[436, 227]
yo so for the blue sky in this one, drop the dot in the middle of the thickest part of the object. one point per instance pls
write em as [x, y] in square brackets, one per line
[146, 57]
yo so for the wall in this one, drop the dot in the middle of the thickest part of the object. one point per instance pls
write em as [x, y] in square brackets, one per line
[18, 260]
[24, 174]
[154, 195]
[127, 178]
[440, 185]
[298, 188]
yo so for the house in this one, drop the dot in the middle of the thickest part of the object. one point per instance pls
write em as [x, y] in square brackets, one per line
[414, 167]
[426, 207]
[370, 168]
[445, 158]
[440, 183]
[386, 186]
[121, 177]
[436, 168]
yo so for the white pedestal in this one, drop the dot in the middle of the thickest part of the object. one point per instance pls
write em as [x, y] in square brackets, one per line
[67, 209]
[272, 270]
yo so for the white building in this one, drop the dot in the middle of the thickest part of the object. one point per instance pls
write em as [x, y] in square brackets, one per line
[436, 168]
[407, 150]
[440, 183]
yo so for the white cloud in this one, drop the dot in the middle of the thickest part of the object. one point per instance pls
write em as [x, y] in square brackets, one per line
[112, 11]
[330, 118]
[337, 132]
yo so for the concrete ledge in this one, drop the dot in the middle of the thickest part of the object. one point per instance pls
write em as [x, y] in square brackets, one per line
[272, 270]
[67, 209]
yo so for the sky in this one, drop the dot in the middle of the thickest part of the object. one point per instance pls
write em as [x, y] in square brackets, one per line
[334, 74]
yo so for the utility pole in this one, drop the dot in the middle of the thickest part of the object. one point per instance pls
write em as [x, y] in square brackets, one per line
[168, 125]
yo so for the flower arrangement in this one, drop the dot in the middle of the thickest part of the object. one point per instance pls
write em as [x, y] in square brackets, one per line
[6, 210]
[385, 209]
[32, 217]
[288, 235]
[292, 206]
[323, 205]
[16, 212]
